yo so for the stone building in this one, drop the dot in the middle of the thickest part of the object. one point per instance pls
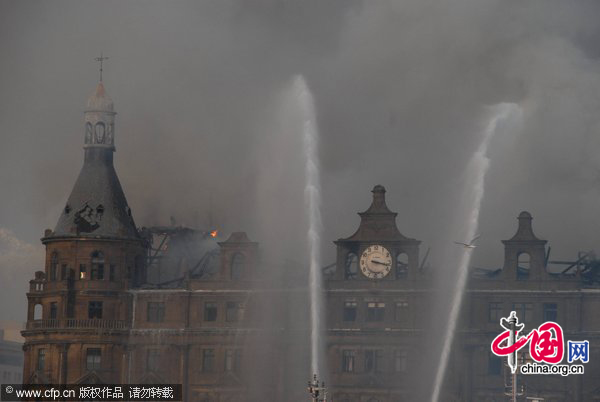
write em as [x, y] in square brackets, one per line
[376, 338]
[78, 311]
[226, 333]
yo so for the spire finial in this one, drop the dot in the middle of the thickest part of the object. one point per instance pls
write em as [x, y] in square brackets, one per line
[101, 60]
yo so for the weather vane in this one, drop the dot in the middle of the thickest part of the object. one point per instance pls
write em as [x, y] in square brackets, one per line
[101, 60]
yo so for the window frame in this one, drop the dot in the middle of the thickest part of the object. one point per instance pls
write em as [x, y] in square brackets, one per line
[400, 361]
[232, 362]
[208, 360]
[97, 266]
[93, 360]
[373, 360]
[350, 309]
[53, 266]
[524, 311]
[375, 311]
[348, 360]
[41, 359]
[95, 309]
[401, 311]
[550, 312]
[234, 311]
[211, 311]
[53, 311]
[155, 311]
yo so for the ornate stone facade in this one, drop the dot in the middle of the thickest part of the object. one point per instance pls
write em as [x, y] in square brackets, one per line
[227, 334]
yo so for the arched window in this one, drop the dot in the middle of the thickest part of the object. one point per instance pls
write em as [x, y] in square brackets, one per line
[88, 133]
[37, 312]
[351, 269]
[523, 266]
[100, 133]
[97, 271]
[401, 265]
[53, 266]
[237, 266]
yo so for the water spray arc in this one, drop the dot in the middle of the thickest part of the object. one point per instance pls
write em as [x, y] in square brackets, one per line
[473, 196]
[312, 200]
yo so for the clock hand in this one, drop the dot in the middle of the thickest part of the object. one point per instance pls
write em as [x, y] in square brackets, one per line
[379, 262]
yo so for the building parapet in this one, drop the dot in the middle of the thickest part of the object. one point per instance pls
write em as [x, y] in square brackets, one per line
[76, 324]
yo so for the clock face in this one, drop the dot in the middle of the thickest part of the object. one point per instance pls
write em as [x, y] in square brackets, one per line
[375, 262]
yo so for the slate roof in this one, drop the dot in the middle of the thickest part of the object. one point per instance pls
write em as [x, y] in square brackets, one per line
[378, 223]
[97, 206]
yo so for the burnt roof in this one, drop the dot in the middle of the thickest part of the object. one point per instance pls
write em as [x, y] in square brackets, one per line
[97, 206]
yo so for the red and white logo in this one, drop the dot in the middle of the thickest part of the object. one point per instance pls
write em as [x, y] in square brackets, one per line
[546, 345]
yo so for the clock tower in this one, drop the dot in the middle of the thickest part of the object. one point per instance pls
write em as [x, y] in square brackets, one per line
[375, 305]
[377, 250]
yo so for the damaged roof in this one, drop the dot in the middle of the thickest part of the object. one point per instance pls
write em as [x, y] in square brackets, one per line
[97, 206]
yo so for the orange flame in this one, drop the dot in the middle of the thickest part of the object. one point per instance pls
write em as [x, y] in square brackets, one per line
[214, 233]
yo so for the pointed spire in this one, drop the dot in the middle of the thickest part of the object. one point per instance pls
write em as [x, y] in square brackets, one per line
[378, 222]
[97, 206]
[378, 205]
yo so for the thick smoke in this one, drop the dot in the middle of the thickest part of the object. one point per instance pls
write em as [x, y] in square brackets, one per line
[400, 87]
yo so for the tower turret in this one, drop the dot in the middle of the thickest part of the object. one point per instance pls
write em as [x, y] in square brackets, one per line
[97, 206]
[78, 313]
[377, 233]
[524, 253]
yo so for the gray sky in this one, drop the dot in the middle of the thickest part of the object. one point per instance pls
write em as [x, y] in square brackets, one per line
[401, 89]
